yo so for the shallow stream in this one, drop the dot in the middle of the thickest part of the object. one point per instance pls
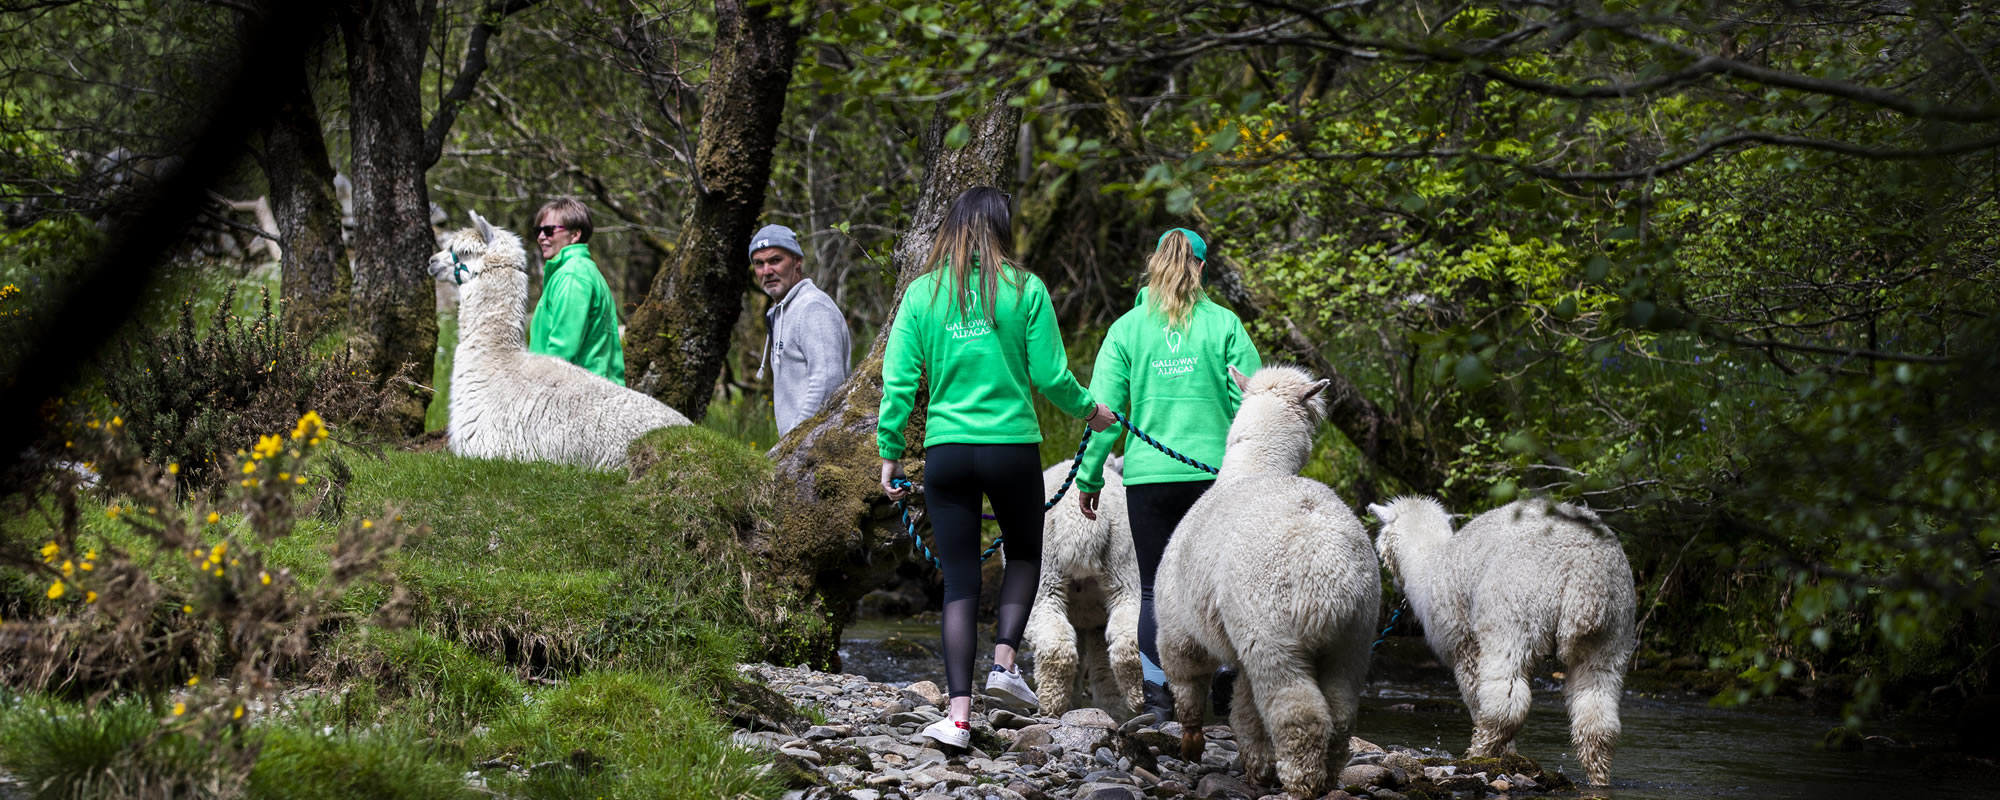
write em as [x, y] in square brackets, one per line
[1675, 746]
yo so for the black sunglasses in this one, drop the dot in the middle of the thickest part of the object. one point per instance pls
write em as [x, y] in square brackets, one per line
[548, 230]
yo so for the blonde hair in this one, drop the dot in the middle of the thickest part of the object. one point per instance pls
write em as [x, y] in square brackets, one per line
[1174, 278]
[978, 230]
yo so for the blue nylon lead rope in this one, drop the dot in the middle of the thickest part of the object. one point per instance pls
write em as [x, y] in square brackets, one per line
[1394, 616]
[1074, 464]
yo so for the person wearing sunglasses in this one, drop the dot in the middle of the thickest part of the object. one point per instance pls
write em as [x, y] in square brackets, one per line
[806, 347]
[576, 319]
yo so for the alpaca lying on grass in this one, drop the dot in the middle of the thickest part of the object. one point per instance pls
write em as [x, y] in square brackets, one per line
[512, 404]
[1503, 592]
[1086, 609]
[1271, 573]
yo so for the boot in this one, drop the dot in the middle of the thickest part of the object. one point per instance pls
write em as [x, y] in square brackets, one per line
[1159, 703]
[1222, 691]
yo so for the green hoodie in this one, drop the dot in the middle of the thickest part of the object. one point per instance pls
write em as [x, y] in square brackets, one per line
[1175, 383]
[980, 370]
[576, 320]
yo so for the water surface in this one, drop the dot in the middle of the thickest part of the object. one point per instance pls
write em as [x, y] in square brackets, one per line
[1675, 746]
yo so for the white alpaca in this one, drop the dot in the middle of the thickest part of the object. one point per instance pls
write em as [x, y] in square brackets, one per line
[1512, 586]
[1086, 610]
[1271, 573]
[509, 403]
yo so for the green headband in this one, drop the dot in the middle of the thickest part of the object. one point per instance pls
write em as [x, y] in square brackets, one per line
[1195, 242]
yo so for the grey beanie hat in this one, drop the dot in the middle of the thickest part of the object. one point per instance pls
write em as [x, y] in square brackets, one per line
[777, 236]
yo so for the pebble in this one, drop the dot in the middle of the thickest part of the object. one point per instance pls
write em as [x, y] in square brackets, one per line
[867, 750]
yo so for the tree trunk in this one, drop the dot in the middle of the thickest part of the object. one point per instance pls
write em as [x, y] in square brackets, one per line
[314, 261]
[678, 337]
[393, 306]
[837, 536]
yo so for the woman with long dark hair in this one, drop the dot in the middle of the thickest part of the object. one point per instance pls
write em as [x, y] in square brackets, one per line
[1166, 365]
[981, 330]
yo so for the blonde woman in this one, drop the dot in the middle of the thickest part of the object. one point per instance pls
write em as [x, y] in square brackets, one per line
[981, 329]
[1166, 365]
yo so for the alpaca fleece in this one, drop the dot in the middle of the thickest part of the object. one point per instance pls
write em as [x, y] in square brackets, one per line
[1086, 610]
[508, 403]
[1515, 585]
[1270, 572]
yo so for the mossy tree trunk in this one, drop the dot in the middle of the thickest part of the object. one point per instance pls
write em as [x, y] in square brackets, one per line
[678, 337]
[837, 535]
[393, 305]
[314, 263]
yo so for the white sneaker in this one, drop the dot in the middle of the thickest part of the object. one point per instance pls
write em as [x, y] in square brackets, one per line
[945, 731]
[1007, 686]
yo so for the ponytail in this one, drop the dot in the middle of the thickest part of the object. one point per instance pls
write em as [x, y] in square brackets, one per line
[1174, 276]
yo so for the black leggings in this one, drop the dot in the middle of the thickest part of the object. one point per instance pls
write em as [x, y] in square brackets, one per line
[955, 476]
[1153, 510]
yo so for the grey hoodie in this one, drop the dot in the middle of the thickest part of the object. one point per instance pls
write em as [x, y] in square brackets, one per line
[808, 352]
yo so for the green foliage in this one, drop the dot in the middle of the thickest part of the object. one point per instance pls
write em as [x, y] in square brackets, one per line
[625, 735]
[123, 748]
[443, 685]
[115, 749]
[191, 398]
[438, 414]
[392, 762]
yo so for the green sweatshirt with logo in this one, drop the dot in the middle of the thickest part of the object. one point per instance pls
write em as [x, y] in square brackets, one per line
[1172, 382]
[981, 370]
[576, 320]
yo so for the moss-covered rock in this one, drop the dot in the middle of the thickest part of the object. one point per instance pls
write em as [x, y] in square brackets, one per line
[1509, 764]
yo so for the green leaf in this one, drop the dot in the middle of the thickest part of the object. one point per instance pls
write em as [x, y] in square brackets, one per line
[1223, 139]
[1472, 373]
[1180, 200]
[958, 136]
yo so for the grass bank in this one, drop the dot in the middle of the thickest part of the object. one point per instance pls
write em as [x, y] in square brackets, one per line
[575, 630]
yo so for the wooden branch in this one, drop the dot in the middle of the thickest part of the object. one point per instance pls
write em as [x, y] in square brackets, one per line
[468, 75]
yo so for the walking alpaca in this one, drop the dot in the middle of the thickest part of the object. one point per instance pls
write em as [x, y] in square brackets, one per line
[1087, 606]
[1501, 593]
[1271, 573]
[509, 403]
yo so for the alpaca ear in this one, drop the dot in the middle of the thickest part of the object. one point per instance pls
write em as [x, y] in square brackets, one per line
[1313, 388]
[485, 228]
[1242, 380]
[1382, 513]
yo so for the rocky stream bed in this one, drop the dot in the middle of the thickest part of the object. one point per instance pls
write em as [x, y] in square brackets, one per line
[866, 748]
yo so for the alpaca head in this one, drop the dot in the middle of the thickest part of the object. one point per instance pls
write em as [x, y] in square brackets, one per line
[1273, 429]
[471, 253]
[1409, 524]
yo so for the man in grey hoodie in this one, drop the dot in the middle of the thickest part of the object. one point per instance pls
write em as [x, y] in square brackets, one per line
[807, 348]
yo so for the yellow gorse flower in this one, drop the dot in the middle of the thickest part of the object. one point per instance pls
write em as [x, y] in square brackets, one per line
[310, 428]
[49, 552]
[214, 517]
[180, 708]
[269, 446]
[56, 590]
